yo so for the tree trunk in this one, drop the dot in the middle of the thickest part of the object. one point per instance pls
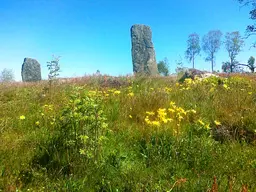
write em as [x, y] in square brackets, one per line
[212, 59]
[212, 65]
[231, 66]
[193, 63]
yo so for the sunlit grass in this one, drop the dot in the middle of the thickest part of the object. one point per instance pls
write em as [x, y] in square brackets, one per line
[152, 134]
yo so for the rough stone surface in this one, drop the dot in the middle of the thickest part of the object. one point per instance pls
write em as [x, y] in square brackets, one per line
[192, 73]
[31, 70]
[143, 53]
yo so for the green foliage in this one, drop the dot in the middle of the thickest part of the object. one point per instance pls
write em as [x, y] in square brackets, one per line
[251, 64]
[83, 124]
[211, 44]
[54, 69]
[6, 75]
[193, 48]
[163, 67]
[235, 67]
[63, 142]
[233, 44]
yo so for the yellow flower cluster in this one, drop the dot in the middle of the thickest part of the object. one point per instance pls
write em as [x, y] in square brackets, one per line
[172, 114]
[175, 115]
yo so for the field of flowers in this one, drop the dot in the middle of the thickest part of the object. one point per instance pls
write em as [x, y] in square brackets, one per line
[129, 134]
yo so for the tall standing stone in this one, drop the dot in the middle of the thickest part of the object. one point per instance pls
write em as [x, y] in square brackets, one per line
[143, 53]
[31, 70]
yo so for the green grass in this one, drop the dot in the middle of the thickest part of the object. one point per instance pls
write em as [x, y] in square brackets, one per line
[90, 134]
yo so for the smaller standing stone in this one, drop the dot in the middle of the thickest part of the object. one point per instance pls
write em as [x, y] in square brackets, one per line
[31, 70]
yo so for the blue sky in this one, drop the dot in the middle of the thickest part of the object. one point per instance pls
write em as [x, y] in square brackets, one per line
[95, 34]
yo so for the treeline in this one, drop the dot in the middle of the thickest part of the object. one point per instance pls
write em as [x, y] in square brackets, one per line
[212, 42]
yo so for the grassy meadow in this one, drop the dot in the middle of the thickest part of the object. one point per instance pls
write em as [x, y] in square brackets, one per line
[129, 134]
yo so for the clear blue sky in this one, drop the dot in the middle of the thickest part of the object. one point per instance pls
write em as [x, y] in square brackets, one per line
[95, 34]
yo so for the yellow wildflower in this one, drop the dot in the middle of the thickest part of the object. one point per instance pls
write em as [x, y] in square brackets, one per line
[151, 113]
[130, 116]
[212, 90]
[37, 123]
[249, 93]
[22, 117]
[147, 120]
[171, 110]
[207, 126]
[225, 86]
[117, 92]
[172, 103]
[193, 111]
[131, 94]
[201, 122]
[164, 120]
[180, 117]
[156, 123]
[217, 123]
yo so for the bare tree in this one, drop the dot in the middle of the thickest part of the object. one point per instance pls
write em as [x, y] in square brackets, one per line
[251, 29]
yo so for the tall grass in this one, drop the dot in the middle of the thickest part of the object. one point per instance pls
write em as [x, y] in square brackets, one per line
[129, 134]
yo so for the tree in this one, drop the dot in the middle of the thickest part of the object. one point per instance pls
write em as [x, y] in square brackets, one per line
[251, 64]
[236, 68]
[211, 44]
[233, 44]
[226, 66]
[251, 29]
[193, 48]
[53, 68]
[163, 67]
[6, 75]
